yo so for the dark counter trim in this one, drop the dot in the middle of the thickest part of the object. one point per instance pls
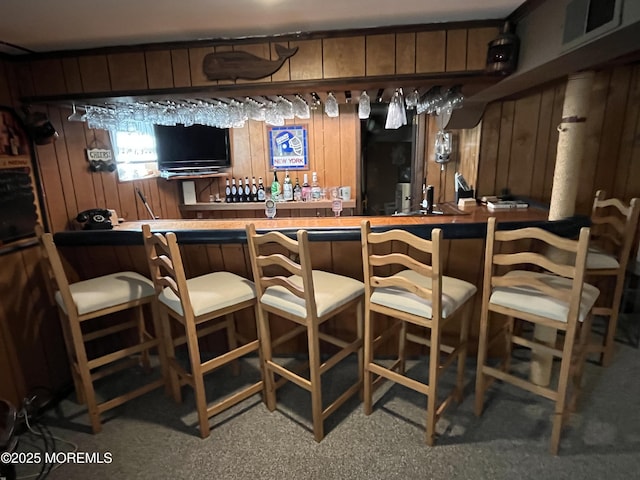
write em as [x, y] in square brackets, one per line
[567, 228]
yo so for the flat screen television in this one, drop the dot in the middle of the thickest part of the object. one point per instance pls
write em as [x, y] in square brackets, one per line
[193, 149]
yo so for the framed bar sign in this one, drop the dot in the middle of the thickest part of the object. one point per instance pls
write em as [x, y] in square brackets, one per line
[289, 147]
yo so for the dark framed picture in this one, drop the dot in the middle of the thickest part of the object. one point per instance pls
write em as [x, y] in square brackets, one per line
[288, 147]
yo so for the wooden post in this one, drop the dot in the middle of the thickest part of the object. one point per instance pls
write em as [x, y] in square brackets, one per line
[569, 157]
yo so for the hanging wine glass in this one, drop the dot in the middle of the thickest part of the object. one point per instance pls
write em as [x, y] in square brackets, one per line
[331, 107]
[364, 106]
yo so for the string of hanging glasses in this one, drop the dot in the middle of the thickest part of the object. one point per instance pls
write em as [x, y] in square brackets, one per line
[235, 113]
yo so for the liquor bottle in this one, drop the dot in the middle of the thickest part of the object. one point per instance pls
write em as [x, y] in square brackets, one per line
[240, 193]
[261, 193]
[254, 190]
[287, 188]
[227, 192]
[297, 190]
[275, 187]
[316, 191]
[306, 188]
[234, 190]
[247, 190]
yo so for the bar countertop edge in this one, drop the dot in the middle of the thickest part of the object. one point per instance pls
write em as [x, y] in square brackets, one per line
[464, 226]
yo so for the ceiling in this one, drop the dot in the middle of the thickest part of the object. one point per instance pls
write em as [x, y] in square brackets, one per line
[45, 26]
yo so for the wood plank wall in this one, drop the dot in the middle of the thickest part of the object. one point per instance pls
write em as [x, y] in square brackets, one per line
[519, 140]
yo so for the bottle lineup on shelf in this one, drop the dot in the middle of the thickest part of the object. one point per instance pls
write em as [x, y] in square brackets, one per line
[246, 192]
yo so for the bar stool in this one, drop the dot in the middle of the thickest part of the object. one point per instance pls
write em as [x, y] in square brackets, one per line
[550, 293]
[202, 305]
[418, 295]
[612, 233]
[81, 302]
[287, 286]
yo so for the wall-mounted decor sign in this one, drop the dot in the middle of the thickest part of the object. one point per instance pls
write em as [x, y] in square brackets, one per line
[100, 160]
[288, 147]
[239, 64]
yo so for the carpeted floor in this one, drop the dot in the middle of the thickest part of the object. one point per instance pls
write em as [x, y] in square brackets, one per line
[153, 438]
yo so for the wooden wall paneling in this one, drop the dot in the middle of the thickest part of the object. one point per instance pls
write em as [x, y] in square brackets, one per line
[380, 54]
[94, 71]
[5, 91]
[23, 79]
[152, 194]
[556, 116]
[241, 152]
[170, 198]
[349, 147]
[261, 50]
[48, 77]
[477, 46]
[129, 202]
[12, 386]
[282, 75]
[196, 56]
[332, 160]
[259, 149]
[21, 322]
[504, 147]
[611, 135]
[525, 123]
[543, 146]
[456, 60]
[316, 144]
[587, 183]
[158, 67]
[469, 148]
[72, 77]
[626, 177]
[128, 71]
[306, 64]
[181, 68]
[109, 180]
[405, 53]
[57, 186]
[488, 161]
[430, 51]
[343, 57]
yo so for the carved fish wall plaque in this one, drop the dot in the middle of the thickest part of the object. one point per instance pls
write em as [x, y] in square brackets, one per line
[234, 65]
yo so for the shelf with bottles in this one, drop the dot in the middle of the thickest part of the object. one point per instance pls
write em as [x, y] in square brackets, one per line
[292, 205]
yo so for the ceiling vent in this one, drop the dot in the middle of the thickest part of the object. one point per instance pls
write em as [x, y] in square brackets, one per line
[585, 20]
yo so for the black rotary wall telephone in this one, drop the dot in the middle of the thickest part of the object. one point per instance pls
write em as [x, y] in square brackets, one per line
[95, 219]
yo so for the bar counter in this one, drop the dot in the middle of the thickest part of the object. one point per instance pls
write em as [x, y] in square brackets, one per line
[456, 224]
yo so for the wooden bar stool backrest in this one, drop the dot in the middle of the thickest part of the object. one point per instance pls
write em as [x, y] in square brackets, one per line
[85, 300]
[546, 289]
[614, 225]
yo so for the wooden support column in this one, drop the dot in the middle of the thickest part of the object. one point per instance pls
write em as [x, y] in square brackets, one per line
[564, 191]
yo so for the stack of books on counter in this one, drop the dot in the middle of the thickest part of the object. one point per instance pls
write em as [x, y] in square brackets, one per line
[506, 204]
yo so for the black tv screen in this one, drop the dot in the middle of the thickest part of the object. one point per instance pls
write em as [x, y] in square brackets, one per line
[197, 147]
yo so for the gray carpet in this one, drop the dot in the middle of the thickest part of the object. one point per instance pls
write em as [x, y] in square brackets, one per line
[154, 438]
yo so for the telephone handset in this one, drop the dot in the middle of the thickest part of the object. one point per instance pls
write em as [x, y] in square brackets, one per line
[95, 219]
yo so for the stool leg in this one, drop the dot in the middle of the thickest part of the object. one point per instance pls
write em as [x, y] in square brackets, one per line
[233, 342]
[432, 397]
[314, 377]
[368, 358]
[198, 379]
[170, 353]
[145, 361]
[265, 347]
[482, 357]
[402, 348]
[563, 381]
[462, 355]
[360, 333]
[612, 324]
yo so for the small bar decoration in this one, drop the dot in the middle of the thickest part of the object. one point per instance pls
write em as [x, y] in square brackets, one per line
[245, 65]
[288, 147]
